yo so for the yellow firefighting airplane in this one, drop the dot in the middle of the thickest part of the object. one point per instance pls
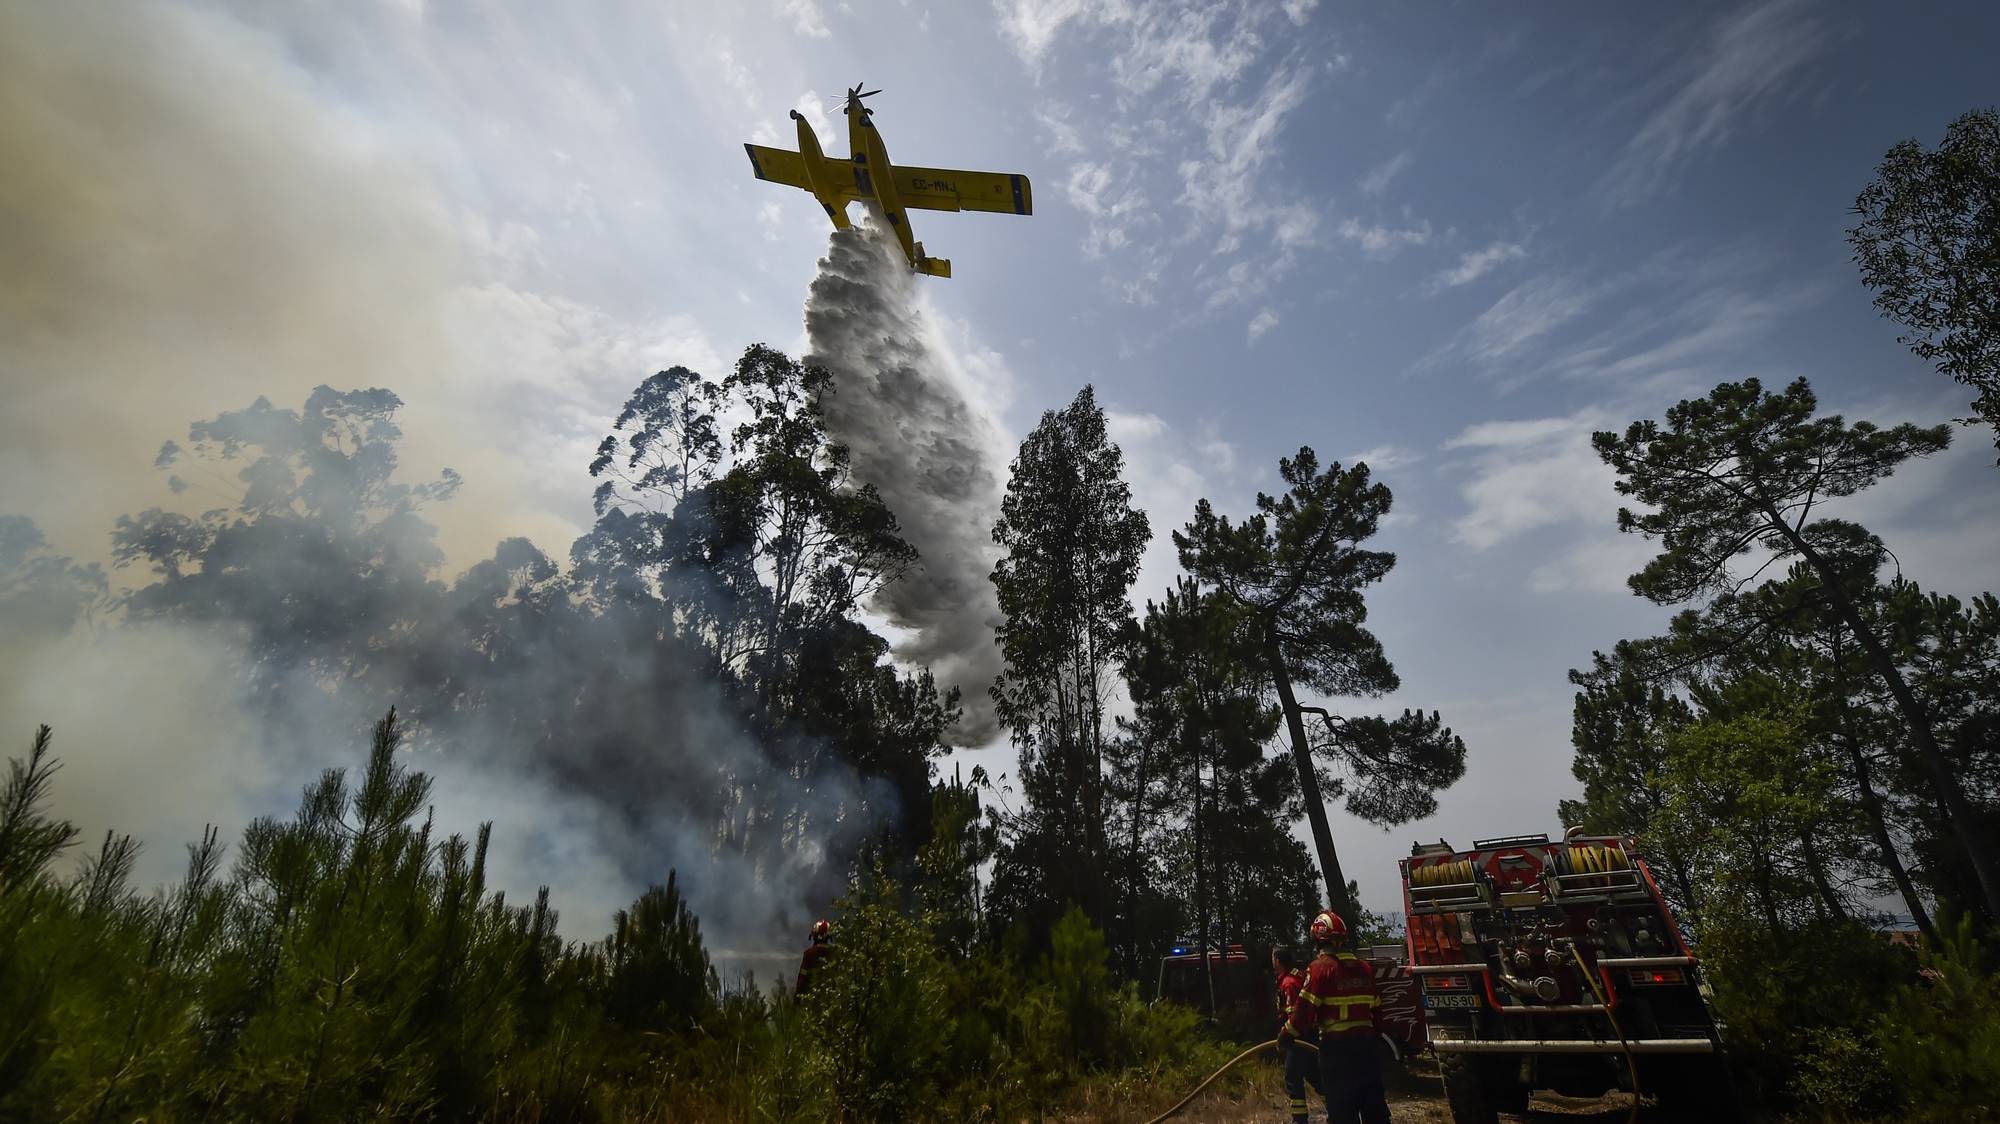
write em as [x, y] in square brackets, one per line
[893, 187]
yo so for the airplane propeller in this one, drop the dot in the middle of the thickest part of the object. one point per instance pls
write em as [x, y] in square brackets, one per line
[855, 93]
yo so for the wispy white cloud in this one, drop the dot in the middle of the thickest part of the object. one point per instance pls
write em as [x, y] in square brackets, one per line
[1383, 458]
[1031, 26]
[1478, 263]
[1240, 139]
[806, 18]
[1379, 177]
[1264, 321]
[1170, 469]
[1528, 312]
[1689, 331]
[1202, 97]
[1531, 474]
[1754, 56]
[1599, 561]
[1124, 427]
[1383, 242]
[1063, 137]
[734, 74]
[1113, 207]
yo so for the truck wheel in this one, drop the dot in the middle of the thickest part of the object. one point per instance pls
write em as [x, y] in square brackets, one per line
[1695, 1089]
[1510, 1093]
[1465, 1088]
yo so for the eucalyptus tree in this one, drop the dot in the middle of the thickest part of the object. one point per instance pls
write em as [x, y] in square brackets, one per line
[1071, 543]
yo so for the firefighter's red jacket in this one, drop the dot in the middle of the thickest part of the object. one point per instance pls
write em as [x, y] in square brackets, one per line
[1289, 984]
[1338, 999]
[815, 953]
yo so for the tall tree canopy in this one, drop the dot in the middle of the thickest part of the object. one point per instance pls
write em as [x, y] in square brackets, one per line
[1745, 468]
[1072, 543]
[1296, 570]
[1208, 813]
[1928, 243]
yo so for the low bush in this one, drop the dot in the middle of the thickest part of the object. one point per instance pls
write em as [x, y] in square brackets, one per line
[353, 967]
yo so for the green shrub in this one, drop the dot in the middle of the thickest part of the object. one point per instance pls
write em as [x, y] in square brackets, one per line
[880, 1012]
[1940, 1038]
[353, 967]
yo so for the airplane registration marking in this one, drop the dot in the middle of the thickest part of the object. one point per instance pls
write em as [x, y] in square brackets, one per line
[922, 184]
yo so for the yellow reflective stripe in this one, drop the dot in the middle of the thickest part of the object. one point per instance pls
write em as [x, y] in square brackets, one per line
[1341, 1001]
[1348, 1024]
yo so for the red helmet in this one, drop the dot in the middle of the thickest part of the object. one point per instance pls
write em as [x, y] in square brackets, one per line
[1327, 927]
[821, 931]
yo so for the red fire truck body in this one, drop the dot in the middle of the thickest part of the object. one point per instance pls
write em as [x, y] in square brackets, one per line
[1555, 965]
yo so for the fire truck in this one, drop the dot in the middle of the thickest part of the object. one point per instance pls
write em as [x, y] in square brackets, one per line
[1556, 965]
[1243, 995]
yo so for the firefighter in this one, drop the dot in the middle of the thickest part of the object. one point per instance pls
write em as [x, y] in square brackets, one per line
[1301, 1065]
[815, 957]
[1339, 1000]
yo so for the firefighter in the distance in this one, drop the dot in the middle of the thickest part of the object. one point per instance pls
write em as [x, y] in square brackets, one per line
[1301, 1064]
[815, 957]
[1339, 1000]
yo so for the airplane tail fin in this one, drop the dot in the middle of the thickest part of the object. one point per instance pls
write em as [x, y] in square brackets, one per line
[934, 267]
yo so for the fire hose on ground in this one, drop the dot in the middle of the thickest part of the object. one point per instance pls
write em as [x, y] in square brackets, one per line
[1590, 977]
[1227, 1066]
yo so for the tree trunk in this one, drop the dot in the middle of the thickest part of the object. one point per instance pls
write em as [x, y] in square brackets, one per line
[1816, 869]
[1871, 805]
[1978, 850]
[1329, 861]
[1760, 873]
[1134, 955]
[1201, 893]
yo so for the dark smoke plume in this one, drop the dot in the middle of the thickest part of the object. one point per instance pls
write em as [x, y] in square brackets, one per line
[935, 457]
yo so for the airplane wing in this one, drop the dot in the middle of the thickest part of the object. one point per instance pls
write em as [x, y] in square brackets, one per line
[949, 189]
[780, 165]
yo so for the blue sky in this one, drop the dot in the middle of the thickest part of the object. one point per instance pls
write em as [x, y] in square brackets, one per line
[1450, 239]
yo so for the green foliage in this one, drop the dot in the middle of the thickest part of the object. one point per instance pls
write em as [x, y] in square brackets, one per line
[1941, 1036]
[1741, 796]
[1209, 850]
[354, 967]
[1071, 543]
[660, 978]
[1744, 467]
[1297, 568]
[1293, 574]
[1928, 243]
[881, 1013]
[1797, 1005]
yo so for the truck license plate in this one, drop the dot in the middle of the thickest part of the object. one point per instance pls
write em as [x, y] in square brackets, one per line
[1436, 1001]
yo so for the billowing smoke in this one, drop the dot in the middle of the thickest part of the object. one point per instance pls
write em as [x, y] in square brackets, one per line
[938, 461]
[188, 222]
